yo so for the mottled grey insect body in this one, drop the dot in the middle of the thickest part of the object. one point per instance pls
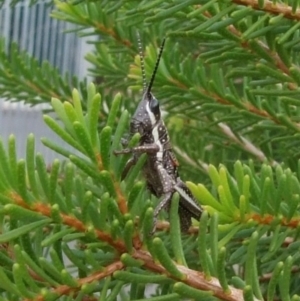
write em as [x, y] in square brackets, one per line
[160, 169]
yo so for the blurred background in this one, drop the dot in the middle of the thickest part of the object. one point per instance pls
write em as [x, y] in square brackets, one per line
[44, 38]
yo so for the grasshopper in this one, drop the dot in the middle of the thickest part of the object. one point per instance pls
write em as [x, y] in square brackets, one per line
[161, 167]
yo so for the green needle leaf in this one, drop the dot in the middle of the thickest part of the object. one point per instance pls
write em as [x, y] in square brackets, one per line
[13, 234]
[55, 147]
[221, 264]
[37, 269]
[68, 279]
[131, 262]
[22, 181]
[134, 193]
[204, 196]
[19, 272]
[164, 258]
[93, 114]
[22, 214]
[106, 180]
[111, 121]
[139, 278]
[105, 146]
[274, 280]
[224, 183]
[84, 140]
[147, 229]
[251, 276]
[128, 235]
[53, 180]
[30, 163]
[7, 285]
[214, 239]
[55, 127]
[161, 15]
[70, 112]
[12, 157]
[78, 107]
[248, 293]
[203, 254]
[59, 109]
[190, 292]
[214, 175]
[50, 268]
[175, 233]
[56, 236]
[285, 282]
[43, 174]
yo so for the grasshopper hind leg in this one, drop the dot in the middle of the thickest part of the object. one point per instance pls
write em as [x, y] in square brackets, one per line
[185, 218]
[165, 202]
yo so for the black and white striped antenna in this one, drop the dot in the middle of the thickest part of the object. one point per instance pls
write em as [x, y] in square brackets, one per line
[142, 61]
[156, 66]
[145, 87]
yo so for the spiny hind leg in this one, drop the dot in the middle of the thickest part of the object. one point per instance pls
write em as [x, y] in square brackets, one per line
[187, 200]
[167, 184]
[161, 205]
[185, 217]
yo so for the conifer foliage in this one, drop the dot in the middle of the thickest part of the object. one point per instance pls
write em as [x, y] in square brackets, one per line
[228, 85]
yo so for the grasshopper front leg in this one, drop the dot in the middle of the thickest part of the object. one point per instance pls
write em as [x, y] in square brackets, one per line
[131, 162]
[141, 149]
[136, 151]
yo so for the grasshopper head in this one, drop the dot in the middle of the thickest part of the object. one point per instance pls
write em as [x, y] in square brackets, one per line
[146, 115]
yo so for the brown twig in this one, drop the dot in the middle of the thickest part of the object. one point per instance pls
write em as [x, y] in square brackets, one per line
[67, 290]
[269, 219]
[272, 8]
[276, 58]
[71, 221]
[193, 279]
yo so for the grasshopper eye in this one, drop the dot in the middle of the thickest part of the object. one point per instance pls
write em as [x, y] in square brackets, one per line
[154, 106]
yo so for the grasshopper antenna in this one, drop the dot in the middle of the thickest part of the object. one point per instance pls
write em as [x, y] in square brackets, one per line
[156, 66]
[142, 61]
